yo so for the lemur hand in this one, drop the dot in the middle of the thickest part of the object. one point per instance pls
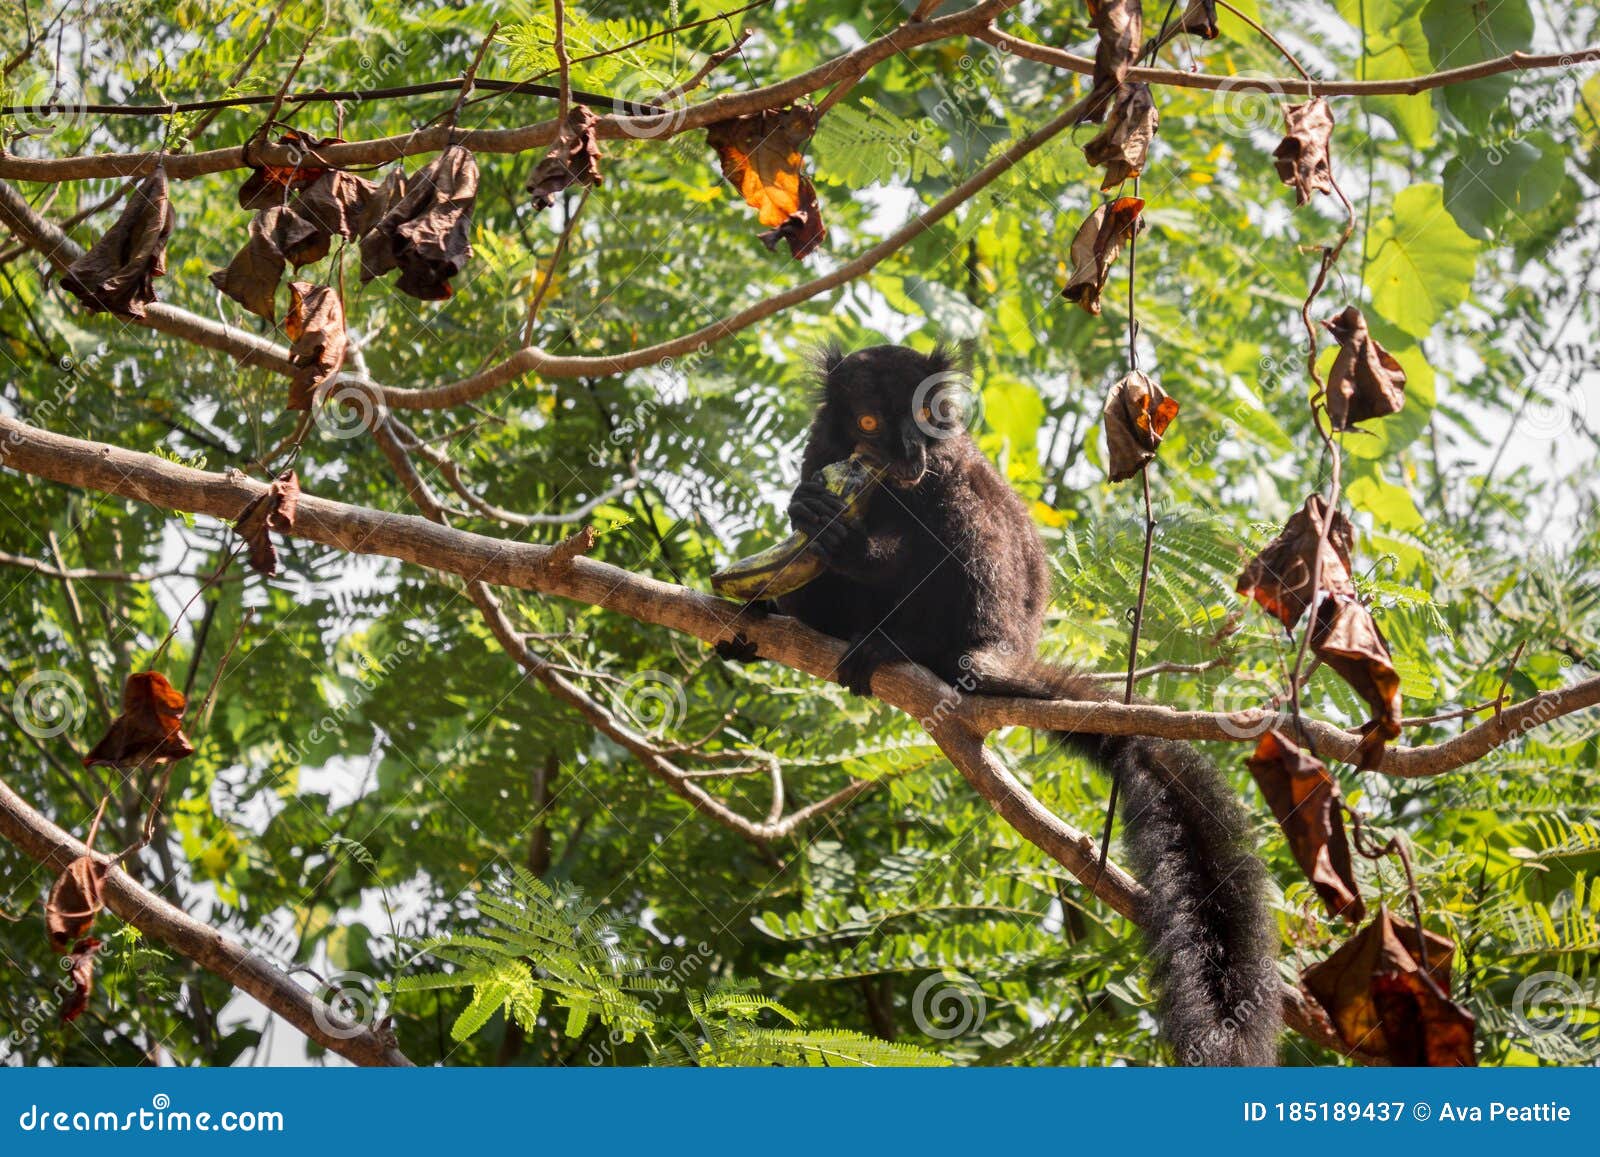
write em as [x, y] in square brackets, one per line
[816, 512]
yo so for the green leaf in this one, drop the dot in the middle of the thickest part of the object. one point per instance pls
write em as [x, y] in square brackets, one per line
[1488, 185]
[1013, 410]
[1420, 264]
[1465, 33]
[1391, 505]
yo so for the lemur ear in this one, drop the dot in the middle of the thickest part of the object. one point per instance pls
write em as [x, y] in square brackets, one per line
[944, 357]
[827, 358]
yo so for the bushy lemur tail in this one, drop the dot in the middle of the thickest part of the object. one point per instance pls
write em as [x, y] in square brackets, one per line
[1209, 931]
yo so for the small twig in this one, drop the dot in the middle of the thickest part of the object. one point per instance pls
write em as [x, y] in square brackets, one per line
[1398, 845]
[712, 63]
[543, 287]
[1505, 683]
[563, 65]
[1162, 668]
[471, 75]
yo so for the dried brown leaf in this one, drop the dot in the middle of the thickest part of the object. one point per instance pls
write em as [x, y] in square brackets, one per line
[252, 277]
[1200, 18]
[1120, 24]
[1137, 413]
[1347, 639]
[1302, 157]
[1305, 799]
[334, 203]
[1279, 578]
[271, 511]
[427, 233]
[80, 968]
[149, 728]
[315, 324]
[1383, 1002]
[75, 900]
[1096, 245]
[117, 275]
[1122, 146]
[1365, 381]
[573, 160]
[270, 185]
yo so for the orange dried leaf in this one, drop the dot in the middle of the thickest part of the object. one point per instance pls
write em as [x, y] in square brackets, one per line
[1137, 413]
[149, 728]
[1096, 245]
[75, 900]
[762, 155]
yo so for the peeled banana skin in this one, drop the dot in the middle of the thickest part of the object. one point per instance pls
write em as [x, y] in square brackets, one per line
[788, 566]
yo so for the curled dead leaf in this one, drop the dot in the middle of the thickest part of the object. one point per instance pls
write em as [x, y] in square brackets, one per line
[268, 512]
[315, 324]
[1365, 381]
[1137, 413]
[117, 275]
[270, 185]
[1382, 1001]
[1302, 156]
[333, 204]
[1305, 799]
[75, 900]
[427, 232]
[1096, 245]
[1122, 146]
[1347, 639]
[1120, 25]
[80, 968]
[573, 160]
[149, 728]
[763, 155]
[1279, 578]
[1200, 18]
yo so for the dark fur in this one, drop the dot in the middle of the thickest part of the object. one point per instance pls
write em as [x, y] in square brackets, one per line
[948, 571]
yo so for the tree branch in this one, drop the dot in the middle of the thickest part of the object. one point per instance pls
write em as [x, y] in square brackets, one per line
[1294, 85]
[538, 136]
[242, 967]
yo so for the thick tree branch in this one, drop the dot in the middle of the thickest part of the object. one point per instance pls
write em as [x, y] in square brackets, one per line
[242, 967]
[956, 723]
[60, 250]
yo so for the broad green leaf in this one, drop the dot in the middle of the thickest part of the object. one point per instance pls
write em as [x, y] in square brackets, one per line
[1420, 264]
[1389, 504]
[1487, 185]
[1461, 33]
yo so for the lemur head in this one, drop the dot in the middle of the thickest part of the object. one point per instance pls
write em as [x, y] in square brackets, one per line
[895, 405]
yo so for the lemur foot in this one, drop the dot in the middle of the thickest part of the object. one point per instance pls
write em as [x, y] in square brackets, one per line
[737, 650]
[856, 669]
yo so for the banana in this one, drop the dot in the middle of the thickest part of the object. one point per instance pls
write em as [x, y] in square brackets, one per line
[790, 565]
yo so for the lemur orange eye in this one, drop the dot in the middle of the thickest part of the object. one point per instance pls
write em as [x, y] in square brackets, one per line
[867, 423]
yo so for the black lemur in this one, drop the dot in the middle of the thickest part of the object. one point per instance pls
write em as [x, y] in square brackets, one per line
[948, 571]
